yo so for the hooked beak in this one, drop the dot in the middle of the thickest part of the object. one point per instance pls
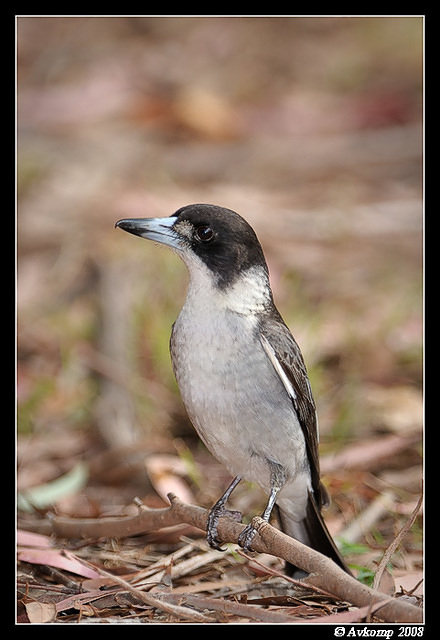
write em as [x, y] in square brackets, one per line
[157, 229]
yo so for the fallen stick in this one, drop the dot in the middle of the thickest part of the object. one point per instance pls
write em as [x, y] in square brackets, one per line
[324, 573]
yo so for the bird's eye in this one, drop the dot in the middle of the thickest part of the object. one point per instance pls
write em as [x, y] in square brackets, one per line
[204, 233]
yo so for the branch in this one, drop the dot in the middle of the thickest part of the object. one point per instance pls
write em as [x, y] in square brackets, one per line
[324, 573]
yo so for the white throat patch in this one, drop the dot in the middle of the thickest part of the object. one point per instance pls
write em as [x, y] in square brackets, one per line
[250, 293]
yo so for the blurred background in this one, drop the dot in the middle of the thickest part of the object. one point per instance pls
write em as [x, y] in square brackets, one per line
[310, 128]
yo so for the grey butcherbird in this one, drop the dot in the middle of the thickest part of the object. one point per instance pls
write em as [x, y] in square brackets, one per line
[240, 372]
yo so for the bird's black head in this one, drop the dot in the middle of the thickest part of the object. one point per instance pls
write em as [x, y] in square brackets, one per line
[219, 237]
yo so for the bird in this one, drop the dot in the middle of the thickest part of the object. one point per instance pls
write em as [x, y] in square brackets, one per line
[241, 374]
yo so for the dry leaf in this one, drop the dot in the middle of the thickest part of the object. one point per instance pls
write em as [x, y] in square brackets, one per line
[29, 539]
[61, 559]
[165, 473]
[39, 612]
[48, 494]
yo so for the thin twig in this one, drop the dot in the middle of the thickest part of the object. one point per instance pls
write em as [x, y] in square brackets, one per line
[396, 542]
[158, 603]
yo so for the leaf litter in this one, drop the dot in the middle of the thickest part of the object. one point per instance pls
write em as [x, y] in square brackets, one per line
[192, 584]
[336, 161]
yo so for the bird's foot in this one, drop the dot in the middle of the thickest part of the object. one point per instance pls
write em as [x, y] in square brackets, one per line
[217, 511]
[246, 536]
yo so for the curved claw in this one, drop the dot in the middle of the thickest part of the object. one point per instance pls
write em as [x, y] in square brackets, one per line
[246, 536]
[212, 523]
[214, 542]
[219, 510]
[211, 529]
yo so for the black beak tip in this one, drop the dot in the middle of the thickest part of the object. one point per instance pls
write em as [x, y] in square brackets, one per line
[131, 225]
[126, 225]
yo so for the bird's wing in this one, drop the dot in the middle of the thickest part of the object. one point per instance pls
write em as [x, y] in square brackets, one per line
[285, 355]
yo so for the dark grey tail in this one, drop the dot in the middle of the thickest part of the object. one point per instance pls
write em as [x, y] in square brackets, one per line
[313, 532]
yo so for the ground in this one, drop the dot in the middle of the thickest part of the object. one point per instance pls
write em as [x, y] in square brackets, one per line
[311, 129]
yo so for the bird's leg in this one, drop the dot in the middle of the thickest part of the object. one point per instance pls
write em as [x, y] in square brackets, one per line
[219, 510]
[277, 480]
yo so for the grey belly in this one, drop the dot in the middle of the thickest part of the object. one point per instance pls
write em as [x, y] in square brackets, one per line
[239, 405]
